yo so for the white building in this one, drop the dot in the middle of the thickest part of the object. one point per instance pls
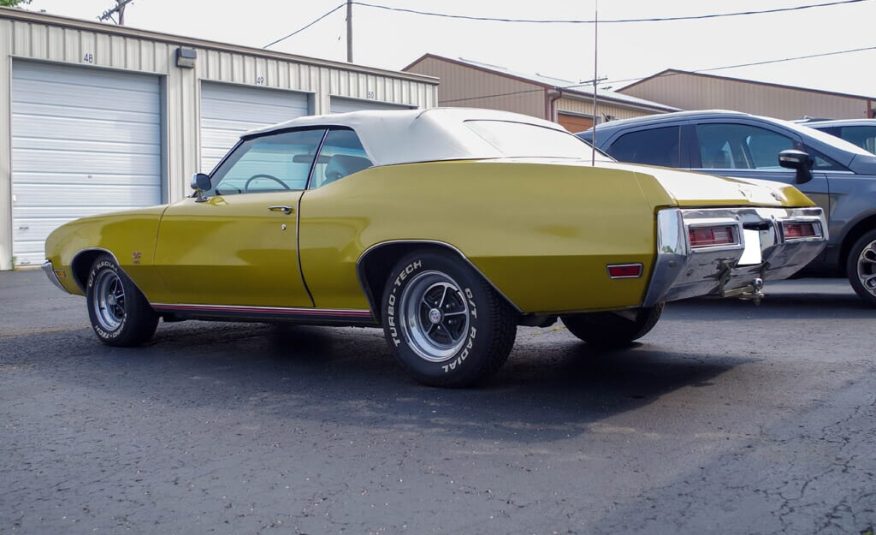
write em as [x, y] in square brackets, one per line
[98, 117]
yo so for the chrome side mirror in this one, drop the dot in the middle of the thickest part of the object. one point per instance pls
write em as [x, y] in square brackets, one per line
[200, 183]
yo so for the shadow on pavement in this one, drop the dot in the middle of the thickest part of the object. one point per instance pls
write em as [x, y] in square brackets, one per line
[553, 386]
[780, 306]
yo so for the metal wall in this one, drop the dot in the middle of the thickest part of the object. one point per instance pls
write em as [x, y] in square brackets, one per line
[39, 37]
[693, 92]
[467, 86]
[603, 108]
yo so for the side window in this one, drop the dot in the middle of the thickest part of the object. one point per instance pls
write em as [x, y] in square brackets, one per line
[275, 162]
[822, 162]
[739, 146]
[862, 136]
[658, 146]
[342, 154]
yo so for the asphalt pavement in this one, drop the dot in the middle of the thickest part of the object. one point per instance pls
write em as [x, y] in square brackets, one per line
[727, 418]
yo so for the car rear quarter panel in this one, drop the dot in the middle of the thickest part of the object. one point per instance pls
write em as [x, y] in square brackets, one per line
[541, 233]
[129, 236]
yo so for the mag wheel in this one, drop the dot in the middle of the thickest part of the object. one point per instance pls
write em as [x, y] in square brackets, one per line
[613, 329]
[119, 313]
[446, 325]
[861, 267]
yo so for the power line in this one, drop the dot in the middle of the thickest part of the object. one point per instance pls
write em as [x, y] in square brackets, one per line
[606, 21]
[308, 25]
[752, 64]
[562, 21]
[672, 73]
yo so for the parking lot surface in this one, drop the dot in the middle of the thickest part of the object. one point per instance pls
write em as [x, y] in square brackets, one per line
[727, 418]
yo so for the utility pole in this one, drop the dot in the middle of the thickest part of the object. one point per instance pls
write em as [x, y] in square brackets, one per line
[118, 8]
[349, 31]
[595, 75]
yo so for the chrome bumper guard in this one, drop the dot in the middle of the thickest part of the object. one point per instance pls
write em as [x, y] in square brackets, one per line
[681, 271]
[49, 270]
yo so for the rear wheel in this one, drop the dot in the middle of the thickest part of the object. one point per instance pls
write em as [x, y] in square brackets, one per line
[861, 267]
[119, 313]
[613, 329]
[445, 324]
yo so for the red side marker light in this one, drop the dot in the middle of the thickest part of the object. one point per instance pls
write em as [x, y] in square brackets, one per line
[625, 271]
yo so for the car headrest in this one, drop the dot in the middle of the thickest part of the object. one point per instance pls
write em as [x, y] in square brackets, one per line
[341, 165]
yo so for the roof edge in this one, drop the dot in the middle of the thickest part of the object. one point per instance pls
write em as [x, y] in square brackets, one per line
[747, 81]
[429, 55]
[566, 91]
[127, 31]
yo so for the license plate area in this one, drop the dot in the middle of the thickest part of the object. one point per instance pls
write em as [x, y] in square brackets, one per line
[751, 255]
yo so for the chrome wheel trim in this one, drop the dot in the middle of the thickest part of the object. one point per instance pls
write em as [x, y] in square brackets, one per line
[867, 267]
[435, 316]
[108, 300]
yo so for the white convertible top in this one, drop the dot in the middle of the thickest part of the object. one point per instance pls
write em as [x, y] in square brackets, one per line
[407, 136]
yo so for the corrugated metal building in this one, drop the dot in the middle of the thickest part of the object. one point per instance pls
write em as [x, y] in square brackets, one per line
[469, 83]
[98, 117]
[695, 91]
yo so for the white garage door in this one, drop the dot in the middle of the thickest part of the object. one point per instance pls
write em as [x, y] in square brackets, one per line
[84, 141]
[227, 111]
[343, 105]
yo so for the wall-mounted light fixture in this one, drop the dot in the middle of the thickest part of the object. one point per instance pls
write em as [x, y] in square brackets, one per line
[185, 57]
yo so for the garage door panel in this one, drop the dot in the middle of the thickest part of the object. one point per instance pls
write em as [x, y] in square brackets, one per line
[79, 146]
[84, 129]
[73, 76]
[252, 112]
[228, 127]
[50, 195]
[35, 231]
[81, 112]
[29, 253]
[60, 94]
[86, 163]
[62, 214]
[84, 141]
[227, 111]
[63, 179]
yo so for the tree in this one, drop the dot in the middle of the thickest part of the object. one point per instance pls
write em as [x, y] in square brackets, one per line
[14, 3]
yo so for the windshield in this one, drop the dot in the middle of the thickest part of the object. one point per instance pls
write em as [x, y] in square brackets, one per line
[524, 140]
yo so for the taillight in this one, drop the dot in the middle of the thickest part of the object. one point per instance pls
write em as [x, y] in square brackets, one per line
[798, 231]
[712, 236]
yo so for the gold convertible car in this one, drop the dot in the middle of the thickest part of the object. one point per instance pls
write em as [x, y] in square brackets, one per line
[447, 227]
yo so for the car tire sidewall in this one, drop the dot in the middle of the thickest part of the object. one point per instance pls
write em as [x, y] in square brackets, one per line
[101, 265]
[852, 266]
[471, 359]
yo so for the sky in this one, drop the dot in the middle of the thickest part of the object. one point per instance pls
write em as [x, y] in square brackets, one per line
[392, 40]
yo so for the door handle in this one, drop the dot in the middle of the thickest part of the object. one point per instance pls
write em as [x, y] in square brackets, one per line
[285, 209]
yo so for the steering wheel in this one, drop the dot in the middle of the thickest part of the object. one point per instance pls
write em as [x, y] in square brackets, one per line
[262, 175]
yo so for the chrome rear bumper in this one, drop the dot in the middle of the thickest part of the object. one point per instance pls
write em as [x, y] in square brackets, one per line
[681, 271]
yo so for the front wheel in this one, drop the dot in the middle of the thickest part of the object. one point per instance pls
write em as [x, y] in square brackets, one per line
[861, 267]
[119, 312]
[445, 324]
[613, 329]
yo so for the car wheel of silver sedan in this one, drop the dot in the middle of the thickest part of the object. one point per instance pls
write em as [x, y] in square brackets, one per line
[119, 313]
[861, 267]
[446, 325]
[613, 329]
